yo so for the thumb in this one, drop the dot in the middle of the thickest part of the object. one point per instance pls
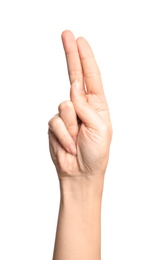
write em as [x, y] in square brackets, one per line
[84, 110]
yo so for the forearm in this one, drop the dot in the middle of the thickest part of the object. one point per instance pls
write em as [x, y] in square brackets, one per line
[78, 233]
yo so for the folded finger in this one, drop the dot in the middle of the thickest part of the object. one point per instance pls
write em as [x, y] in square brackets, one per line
[61, 133]
[54, 145]
[69, 117]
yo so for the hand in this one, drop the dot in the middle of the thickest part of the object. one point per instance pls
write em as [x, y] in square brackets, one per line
[80, 134]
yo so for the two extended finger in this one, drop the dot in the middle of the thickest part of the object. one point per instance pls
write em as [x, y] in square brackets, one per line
[82, 64]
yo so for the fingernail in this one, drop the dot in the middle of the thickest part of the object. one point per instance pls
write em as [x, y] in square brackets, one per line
[77, 85]
[72, 149]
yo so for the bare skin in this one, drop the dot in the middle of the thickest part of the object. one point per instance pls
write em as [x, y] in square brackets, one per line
[79, 140]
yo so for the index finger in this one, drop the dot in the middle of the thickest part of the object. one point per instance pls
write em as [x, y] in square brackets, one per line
[72, 57]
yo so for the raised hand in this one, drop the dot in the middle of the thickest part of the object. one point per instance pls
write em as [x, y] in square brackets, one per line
[79, 141]
[80, 134]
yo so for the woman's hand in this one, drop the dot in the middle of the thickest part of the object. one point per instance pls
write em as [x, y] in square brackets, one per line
[79, 141]
[80, 134]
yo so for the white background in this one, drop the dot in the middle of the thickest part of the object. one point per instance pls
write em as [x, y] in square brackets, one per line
[33, 81]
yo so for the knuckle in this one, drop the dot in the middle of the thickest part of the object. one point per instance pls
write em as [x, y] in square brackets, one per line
[92, 74]
[76, 72]
[53, 123]
[64, 105]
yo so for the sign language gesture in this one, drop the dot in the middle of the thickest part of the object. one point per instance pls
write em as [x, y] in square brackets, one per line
[79, 141]
[80, 134]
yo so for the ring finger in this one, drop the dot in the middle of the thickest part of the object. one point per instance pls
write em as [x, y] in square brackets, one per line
[69, 117]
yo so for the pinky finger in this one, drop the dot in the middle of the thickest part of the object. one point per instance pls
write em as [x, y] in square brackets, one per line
[54, 145]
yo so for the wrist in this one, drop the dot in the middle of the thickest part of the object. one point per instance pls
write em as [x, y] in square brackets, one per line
[82, 202]
[80, 188]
